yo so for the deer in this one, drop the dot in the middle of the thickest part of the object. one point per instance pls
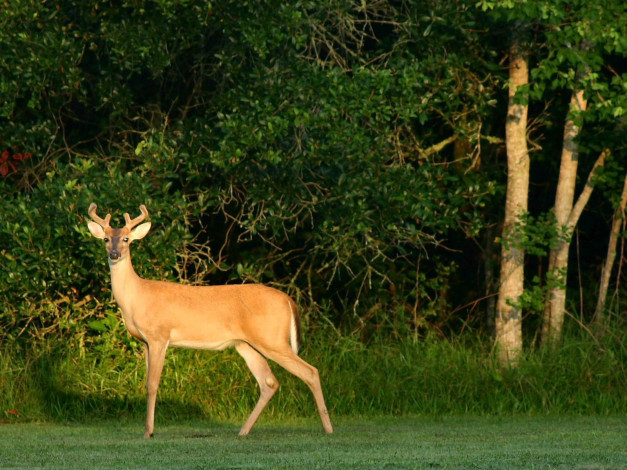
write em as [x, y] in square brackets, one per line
[259, 321]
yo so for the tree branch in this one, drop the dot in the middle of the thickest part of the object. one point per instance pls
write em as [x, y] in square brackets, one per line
[583, 198]
[435, 148]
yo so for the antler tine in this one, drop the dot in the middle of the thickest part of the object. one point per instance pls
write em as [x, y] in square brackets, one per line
[104, 223]
[130, 224]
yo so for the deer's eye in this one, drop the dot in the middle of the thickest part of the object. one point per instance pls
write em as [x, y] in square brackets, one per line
[125, 240]
[106, 240]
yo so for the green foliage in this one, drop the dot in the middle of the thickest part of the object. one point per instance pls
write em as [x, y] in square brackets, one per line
[576, 46]
[302, 145]
[73, 69]
[536, 235]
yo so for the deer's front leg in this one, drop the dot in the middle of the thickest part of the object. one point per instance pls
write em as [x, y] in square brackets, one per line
[155, 357]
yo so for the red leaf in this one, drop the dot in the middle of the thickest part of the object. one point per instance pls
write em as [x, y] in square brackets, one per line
[6, 168]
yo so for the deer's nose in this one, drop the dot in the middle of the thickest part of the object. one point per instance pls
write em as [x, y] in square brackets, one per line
[114, 254]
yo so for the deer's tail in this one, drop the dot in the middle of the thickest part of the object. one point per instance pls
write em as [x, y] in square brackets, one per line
[294, 326]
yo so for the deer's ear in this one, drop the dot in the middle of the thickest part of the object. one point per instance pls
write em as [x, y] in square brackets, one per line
[96, 230]
[140, 231]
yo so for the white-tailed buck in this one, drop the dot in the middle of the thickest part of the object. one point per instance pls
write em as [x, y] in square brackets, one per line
[259, 321]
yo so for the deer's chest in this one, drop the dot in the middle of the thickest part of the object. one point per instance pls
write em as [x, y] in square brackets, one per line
[132, 328]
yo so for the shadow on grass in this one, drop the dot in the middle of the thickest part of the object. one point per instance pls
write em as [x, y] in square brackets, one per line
[67, 397]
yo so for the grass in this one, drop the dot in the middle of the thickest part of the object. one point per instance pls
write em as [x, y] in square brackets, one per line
[377, 443]
[72, 382]
[442, 404]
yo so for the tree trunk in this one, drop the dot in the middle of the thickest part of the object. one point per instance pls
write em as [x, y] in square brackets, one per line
[553, 317]
[508, 322]
[567, 215]
[617, 221]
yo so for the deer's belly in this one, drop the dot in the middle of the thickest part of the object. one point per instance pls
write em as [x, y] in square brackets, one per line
[200, 344]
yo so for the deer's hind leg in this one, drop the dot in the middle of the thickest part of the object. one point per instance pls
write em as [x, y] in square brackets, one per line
[287, 359]
[268, 384]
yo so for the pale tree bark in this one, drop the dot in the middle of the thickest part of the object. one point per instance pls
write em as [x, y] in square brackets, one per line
[508, 321]
[618, 220]
[564, 196]
[567, 215]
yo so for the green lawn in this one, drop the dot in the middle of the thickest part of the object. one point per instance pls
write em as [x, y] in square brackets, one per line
[377, 443]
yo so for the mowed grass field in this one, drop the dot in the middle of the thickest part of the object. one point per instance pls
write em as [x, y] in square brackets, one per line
[368, 443]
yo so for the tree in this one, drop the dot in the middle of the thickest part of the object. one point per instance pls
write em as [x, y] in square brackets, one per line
[509, 316]
[618, 220]
[573, 47]
[567, 215]
[582, 46]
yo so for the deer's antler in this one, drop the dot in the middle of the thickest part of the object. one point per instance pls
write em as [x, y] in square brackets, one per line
[104, 223]
[130, 224]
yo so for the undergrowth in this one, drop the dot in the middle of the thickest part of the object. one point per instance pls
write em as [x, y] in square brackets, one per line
[104, 379]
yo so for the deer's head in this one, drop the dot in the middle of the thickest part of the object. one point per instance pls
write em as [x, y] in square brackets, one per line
[117, 240]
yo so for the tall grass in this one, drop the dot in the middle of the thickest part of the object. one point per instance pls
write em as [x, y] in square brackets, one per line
[78, 382]
[443, 377]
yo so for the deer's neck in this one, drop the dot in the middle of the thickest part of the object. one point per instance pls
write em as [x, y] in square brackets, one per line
[124, 283]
